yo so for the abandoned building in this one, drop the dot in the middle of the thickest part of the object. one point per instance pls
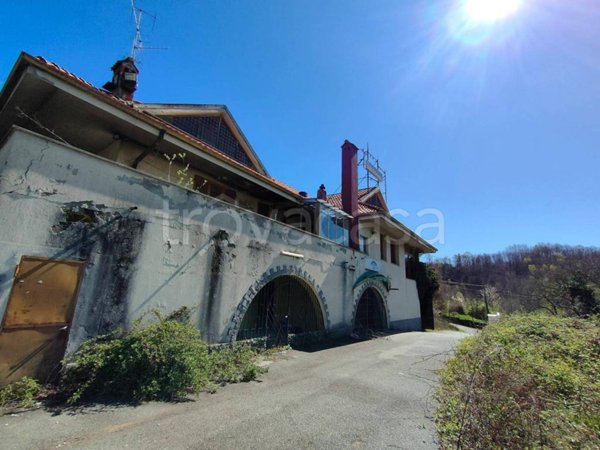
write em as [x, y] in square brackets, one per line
[111, 208]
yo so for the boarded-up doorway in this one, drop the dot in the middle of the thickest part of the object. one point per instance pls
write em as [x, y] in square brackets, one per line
[37, 319]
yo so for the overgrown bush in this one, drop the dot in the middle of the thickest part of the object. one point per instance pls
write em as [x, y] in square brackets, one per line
[476, 310]
[233, 364]
[20, 394]
[530, 381]
[163, 360]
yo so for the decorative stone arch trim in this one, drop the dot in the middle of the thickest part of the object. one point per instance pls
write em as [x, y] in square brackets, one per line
[266, 278]
[383, 292]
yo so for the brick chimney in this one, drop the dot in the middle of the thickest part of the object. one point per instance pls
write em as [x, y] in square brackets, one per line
[350, 188]
[124, 81]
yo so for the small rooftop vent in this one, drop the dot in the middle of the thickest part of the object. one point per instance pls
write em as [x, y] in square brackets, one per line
[322, 193]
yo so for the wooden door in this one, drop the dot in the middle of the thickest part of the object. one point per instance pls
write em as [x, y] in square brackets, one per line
[37, 319]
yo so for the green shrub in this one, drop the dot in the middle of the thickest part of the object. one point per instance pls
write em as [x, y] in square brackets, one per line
[476, 310]
[232, 364]
[160, 361]
[21, 393]
[163, 360]
[530, 381]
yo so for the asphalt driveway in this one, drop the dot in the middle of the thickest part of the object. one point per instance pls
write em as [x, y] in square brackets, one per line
[371, 394]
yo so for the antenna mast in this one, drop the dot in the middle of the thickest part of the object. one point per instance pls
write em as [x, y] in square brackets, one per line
[137, 18]
[138, 44]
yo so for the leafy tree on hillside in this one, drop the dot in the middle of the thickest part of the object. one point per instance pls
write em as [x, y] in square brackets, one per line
[558, 278]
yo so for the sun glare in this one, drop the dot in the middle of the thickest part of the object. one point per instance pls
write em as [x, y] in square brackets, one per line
[487, 11]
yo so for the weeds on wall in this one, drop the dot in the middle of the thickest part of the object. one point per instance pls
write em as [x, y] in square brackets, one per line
[529, 381]
[183, 177]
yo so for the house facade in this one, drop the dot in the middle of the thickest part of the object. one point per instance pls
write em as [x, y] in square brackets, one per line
[111, 209]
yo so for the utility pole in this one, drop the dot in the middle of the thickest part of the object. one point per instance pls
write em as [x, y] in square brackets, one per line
[485, 300]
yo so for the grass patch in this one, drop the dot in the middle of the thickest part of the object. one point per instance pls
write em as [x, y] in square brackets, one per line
[529, 381]
[465, 319]
[166, 360]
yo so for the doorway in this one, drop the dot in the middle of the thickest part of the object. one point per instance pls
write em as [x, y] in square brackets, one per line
[37, 319]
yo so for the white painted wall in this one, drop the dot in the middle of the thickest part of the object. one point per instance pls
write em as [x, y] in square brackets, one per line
[169, 263]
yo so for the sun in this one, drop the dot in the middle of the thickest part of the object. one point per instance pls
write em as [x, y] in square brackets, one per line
[487, 11]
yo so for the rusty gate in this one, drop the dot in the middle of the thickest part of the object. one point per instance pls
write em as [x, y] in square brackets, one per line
[285, 305]
[36, 322]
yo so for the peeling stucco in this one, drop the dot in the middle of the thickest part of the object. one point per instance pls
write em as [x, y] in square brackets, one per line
[202, 253]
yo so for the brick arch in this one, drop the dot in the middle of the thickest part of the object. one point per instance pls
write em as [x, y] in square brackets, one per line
[266, 278]
[381, 289]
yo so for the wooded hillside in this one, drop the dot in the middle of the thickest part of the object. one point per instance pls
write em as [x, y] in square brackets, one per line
[557, 278]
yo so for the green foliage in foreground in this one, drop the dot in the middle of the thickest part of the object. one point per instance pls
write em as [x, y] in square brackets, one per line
[529, 381]
[465, 319]
[161, 361]
[20, 394]
[233, 364]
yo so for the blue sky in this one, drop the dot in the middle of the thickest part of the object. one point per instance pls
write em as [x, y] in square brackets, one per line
[496, 125]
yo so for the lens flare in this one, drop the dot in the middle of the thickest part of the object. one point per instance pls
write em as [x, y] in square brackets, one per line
[487, 11]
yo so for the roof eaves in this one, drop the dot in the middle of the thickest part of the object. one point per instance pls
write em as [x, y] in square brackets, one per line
[422, 242]
[129, 108]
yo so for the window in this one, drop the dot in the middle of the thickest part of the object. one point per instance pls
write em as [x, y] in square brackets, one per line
[264, 209]
[334, 225]
[394, 254]
[363, 244]
[214, 189]
[229, 195]
[201, 184]
[383, 247]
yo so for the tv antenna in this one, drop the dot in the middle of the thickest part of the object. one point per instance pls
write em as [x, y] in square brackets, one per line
[138, 44]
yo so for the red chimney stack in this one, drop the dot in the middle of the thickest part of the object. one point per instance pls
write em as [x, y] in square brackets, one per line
[350, 188]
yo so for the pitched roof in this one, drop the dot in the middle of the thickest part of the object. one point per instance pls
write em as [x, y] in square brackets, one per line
[133, 108]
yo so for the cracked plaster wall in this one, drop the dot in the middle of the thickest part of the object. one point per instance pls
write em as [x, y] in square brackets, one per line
[57, 201]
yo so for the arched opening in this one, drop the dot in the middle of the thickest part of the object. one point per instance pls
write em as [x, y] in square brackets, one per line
[285, 305]
[370, 312]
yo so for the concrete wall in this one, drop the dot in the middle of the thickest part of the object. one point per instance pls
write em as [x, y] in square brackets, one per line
[154, 245]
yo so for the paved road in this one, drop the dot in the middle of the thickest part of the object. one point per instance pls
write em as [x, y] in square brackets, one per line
[372, 394]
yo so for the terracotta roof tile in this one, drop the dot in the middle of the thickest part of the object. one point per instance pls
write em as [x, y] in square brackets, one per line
[335, 200]
[363, 208]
